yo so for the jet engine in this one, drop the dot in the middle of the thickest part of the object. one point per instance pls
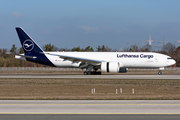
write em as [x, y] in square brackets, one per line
[112, 67]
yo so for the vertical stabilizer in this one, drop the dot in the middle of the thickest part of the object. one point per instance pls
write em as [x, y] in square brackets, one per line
[31, 49]
[28, 44]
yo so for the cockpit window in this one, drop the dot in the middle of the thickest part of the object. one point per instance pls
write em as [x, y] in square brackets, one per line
[169, 58]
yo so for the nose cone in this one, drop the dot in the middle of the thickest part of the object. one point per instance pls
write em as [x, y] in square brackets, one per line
[173, 62]
[170, 61]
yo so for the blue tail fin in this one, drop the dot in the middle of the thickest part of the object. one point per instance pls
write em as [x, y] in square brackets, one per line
[28, 44]
[31, 49]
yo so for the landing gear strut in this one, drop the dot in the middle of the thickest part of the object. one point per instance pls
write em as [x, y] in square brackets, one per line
[159, 73]
[92, 73]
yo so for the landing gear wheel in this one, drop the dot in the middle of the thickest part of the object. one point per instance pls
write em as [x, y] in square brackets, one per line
[92, 73]
[85, 73]
[89, 73]
[159, 73]
[98, 73]
[95, 73]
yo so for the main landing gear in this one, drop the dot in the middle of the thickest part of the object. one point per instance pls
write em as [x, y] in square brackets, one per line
[91, 70]
[92, 73]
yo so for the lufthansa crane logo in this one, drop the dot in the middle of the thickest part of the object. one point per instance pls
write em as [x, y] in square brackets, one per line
[28, 45]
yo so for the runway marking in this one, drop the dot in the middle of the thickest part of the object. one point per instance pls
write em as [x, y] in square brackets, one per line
[97, 113]
[90, 104]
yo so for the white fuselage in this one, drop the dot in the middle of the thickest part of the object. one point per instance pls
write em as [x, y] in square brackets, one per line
[127, 59]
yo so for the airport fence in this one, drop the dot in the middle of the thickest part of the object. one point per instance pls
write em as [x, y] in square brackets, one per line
[72, 69]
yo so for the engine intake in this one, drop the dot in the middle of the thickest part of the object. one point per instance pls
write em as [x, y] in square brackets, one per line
[112, 67]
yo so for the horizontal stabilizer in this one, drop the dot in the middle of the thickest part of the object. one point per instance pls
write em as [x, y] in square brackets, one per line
[22, 55]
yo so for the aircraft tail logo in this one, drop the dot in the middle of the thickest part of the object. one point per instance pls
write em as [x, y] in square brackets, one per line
[28, 45]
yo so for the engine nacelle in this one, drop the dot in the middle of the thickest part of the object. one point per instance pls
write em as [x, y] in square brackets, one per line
[123, 70]
[112, 67]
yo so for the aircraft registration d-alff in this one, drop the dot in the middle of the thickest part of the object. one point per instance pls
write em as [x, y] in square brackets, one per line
[117, 62]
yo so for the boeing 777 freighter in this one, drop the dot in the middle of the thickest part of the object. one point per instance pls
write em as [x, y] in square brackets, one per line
[117, 62]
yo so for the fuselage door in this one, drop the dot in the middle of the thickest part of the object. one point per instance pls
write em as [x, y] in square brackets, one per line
[157, 59]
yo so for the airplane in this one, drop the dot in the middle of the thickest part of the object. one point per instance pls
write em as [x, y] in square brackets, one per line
[112, 62]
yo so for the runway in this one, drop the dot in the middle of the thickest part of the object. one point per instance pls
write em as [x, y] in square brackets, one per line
[97, 76]
[90, 107]
[88, 117]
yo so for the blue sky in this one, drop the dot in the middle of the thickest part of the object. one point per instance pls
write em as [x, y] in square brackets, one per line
[72, 23]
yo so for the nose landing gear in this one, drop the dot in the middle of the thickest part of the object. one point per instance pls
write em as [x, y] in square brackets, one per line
[160, 73]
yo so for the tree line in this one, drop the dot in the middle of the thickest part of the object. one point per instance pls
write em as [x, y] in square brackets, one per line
[9, 60]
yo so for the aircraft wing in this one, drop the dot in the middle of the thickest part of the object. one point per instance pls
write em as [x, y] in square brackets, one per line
[78, 59]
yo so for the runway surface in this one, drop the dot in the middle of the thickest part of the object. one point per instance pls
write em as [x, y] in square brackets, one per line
[88, 117]
[96, 76]
[90, 107]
